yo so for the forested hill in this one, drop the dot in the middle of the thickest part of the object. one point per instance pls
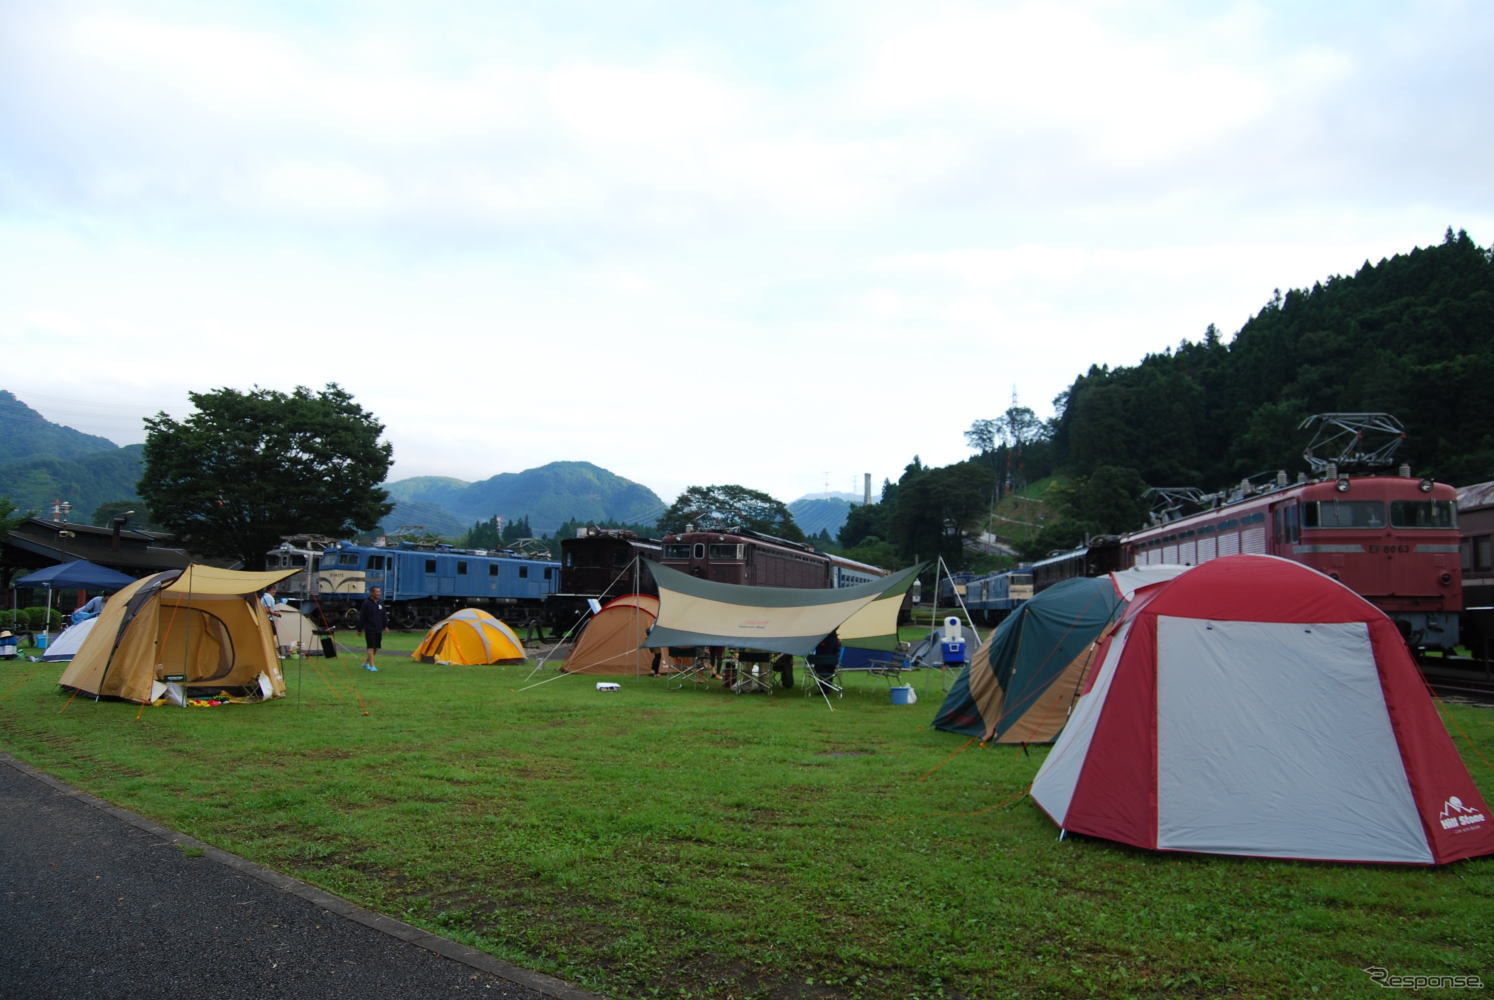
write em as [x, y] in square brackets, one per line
[30, 435]
[41, 462]
[1412, 336]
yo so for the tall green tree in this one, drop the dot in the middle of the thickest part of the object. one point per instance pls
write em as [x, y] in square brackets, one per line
[864, 523]
[484, 535]
[249, 467]
[718, 508]
[936, 510]
[982, 435]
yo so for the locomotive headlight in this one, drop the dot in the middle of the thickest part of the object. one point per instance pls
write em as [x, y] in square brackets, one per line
[1425, 486]
[1446, 578]
[1342, 485]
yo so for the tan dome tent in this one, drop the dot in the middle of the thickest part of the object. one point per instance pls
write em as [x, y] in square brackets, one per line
[470, 637]
[293, 630]
[203, 625]
[612, 641]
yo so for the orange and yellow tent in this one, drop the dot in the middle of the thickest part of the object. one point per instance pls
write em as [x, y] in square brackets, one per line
[470, 637]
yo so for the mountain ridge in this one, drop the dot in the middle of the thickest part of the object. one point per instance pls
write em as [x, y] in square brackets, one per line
[42, 462]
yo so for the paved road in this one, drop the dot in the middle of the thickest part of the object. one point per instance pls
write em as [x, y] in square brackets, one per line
[98, 903]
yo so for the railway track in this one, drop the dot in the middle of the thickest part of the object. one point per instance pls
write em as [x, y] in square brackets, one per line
[1461, 677]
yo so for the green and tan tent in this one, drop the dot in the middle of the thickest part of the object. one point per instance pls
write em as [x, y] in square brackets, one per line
[695, 612]
[201, 624]
[1021, 683]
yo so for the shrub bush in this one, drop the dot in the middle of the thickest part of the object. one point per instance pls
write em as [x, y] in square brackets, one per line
[30, 619]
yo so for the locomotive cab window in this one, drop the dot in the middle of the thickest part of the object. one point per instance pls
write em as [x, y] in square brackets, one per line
[726, 551]
[698, 551]
[1288, 528]
[1423, 514]
[676, 552]
[430, 565]
[461, 567]
[1343, 514]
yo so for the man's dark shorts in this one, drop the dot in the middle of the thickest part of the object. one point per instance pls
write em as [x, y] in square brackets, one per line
[373, 640]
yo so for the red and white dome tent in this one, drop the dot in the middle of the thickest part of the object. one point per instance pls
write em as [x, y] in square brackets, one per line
[1253, 706]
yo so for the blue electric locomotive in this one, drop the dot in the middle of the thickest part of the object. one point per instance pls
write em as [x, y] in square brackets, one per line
[422, 584]
[990, 597]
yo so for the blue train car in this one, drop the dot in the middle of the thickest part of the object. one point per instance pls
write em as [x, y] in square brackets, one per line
[422, 584]
[991, 597]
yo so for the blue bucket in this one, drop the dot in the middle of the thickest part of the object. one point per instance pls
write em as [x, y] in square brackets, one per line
[40, 640]
[902, 695]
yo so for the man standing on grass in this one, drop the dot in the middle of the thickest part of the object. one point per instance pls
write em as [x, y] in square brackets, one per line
[371, 619]
[267, 601]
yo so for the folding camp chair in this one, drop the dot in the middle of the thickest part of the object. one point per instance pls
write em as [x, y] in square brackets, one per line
[753, 672]
[824, 675]
[693, 665]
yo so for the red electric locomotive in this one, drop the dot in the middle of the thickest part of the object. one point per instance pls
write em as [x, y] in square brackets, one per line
[1392, 539]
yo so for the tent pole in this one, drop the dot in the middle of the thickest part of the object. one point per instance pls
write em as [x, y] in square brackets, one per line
[637, 583]
[959, 601]
[637, 570]
[969, 618]
[939, 570]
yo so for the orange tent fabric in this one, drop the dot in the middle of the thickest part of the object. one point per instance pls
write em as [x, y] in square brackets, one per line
[470, 637]
[612, 642]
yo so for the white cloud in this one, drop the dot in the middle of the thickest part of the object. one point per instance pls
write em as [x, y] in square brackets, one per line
[774, 246]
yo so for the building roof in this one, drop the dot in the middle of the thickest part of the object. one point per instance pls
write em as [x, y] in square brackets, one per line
[37, 542]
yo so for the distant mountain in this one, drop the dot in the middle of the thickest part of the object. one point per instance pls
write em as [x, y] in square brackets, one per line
[823, 512]
[429, 517]
[27, 434]
[42, 462]
[548, 496]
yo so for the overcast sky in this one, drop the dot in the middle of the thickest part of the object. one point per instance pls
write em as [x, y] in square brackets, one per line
[772, 244]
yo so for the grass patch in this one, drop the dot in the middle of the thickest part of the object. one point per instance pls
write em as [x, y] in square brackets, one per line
[693, 843]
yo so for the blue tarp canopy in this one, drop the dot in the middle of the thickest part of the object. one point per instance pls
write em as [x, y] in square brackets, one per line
[80, 574]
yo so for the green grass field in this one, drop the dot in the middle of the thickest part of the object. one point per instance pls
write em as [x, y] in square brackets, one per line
[688, 842]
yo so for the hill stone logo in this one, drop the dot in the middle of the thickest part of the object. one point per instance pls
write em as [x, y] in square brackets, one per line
[1456, 816]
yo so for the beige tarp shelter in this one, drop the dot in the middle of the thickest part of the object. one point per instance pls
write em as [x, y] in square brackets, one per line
[612, 642]
[202, 624]
[695, 612]
[469, 637]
